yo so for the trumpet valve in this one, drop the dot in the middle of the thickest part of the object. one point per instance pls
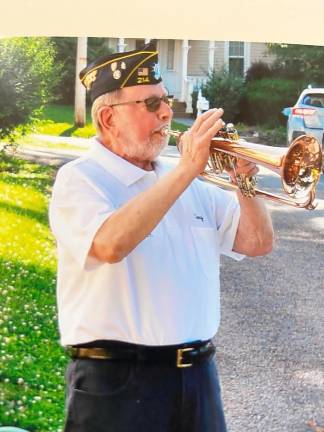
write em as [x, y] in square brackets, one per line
[246, 185]
[221, 161]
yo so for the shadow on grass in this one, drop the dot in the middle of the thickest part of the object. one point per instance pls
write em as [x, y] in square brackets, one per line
[38, 216]
[16, 171]
[68, 132]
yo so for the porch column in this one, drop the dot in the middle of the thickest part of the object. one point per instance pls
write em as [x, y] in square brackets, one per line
[211, 56]
[121, 45]
[185, 50]
[247, 56]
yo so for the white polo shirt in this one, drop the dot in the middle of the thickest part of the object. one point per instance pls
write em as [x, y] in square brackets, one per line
[166, 291]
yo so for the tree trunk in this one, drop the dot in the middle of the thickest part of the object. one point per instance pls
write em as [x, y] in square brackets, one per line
[80, 91]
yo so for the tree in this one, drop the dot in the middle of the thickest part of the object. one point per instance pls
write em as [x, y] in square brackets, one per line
[66, 48]
[299, 62]
[28, 74]
[80, 91]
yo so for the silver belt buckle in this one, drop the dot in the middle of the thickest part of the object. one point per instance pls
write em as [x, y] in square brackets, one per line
[180, 363]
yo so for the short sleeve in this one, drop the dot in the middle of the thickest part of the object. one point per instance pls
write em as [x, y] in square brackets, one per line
[227, 215]
[76, 212]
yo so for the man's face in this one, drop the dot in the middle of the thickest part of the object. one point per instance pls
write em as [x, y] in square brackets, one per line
[138, 132]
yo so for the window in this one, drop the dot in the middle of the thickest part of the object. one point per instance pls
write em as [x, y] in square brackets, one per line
[236, 58]
[170, 54]
[314, 99]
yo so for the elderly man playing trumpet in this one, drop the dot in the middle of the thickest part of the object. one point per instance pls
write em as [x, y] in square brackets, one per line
[138, 259]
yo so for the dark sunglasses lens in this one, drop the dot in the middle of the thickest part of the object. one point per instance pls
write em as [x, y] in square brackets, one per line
[153, 103]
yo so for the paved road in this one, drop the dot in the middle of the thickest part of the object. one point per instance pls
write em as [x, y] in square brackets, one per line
[271, 341]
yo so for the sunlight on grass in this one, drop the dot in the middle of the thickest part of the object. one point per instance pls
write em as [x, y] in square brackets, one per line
[29, 240]
[50, 128]
[19, 190]
[31, 361]
[64, 129]
[59, 120]
[34, 142]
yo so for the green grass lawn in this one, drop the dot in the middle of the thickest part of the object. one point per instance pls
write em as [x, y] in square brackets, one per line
[33, 142]
[59, 120]
[31, 362]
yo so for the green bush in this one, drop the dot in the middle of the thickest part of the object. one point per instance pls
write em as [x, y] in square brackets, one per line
[265, 99]
[28, 74]
[258, 70]
[225, 90]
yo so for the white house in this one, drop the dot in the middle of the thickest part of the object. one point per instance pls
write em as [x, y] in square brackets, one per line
[185, 63]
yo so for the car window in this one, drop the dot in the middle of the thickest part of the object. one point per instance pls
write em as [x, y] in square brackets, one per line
[314, 99]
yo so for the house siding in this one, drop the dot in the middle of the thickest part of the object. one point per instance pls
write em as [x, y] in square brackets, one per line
[219, 55]
[198, 57]
[259, 52]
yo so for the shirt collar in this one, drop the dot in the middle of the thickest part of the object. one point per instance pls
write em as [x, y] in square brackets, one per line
[120, 168]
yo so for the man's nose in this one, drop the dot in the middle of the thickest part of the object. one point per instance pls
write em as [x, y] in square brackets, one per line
[164, 112]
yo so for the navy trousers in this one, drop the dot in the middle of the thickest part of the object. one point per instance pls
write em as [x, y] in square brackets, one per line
[108, 396]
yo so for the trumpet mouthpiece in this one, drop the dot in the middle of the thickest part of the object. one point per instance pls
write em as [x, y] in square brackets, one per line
[165, 131]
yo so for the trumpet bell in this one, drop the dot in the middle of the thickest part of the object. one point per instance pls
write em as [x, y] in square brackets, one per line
[302, 166]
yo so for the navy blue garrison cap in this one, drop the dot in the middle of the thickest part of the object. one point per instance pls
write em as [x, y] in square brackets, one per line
[119, 70]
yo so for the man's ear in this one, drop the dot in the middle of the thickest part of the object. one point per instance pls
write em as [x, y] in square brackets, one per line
[105, 117]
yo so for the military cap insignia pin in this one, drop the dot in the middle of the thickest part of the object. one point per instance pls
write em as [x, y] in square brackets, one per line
[117, 74]
[156, 71]
[90, 78]
[142, 71]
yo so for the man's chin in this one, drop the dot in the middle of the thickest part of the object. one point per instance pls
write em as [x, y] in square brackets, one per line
[160, 148]
[148, 153]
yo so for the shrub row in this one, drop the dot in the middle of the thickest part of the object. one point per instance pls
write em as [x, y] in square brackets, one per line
[256, 100]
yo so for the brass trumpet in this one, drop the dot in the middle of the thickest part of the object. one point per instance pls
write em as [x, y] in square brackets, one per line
[299, 166]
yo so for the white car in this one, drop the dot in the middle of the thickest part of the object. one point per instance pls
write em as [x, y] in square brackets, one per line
[307, 115]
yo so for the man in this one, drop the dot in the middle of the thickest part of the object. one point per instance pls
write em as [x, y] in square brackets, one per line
[138, 270]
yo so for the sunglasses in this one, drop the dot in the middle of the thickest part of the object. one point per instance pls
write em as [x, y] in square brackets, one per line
[152, 103]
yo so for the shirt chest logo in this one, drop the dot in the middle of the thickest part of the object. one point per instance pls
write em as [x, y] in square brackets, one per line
[199, 217]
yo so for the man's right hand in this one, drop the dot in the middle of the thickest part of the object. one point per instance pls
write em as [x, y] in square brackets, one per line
[194, 143]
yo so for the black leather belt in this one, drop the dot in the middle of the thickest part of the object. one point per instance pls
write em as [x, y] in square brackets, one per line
[184, 355]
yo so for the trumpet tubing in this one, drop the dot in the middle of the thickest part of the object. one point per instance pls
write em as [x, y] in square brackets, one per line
[299, 166]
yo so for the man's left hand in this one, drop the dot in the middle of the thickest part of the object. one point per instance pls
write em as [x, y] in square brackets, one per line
[242, 166]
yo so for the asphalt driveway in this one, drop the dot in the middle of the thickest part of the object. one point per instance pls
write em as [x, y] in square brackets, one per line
[271, 340]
